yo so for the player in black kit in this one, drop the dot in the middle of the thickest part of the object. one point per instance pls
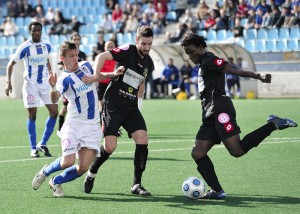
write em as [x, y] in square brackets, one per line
[218, 113]
[122, 104]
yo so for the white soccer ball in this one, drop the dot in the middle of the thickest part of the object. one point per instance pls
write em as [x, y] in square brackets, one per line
[193, 188]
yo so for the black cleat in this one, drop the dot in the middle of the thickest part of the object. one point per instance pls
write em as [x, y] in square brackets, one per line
[45, 150]
[213, 195]
[281, 123]
[34, 153]
[88, 184]
[138, 189]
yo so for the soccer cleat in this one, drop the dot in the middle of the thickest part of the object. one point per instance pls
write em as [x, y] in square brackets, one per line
[39, 179]
[281, 123]
[213, 195]
[45, 150]
[34, 153]
[138, 189]
[88, 184]
[57, 189]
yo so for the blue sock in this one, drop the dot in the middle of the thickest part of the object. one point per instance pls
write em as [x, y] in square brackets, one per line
[187, 88]
[53, 167]
[69, 174]
[32, 133]
[50, 123]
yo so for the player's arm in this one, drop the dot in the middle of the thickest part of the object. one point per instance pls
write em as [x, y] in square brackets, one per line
[49, 66]
[140, 93]
[236, 70]
[9, 70]
[55, 95]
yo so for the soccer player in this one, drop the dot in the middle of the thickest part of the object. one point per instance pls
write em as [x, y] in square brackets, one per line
[75, 38]
[218, 113]
[81, 132]
[36, 89]
[122, 104]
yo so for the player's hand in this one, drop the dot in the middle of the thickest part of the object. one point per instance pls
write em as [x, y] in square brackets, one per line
[8, 88]
[119, 71]
[267, 78]
[89, 79]
[52, 78]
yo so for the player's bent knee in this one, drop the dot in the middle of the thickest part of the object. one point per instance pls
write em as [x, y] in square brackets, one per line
[82, 169]
[236, 154]
[197, 154]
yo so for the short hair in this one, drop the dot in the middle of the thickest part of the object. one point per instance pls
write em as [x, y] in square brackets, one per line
[34, 23]
[144, 31]
[65, 46]
[75, 34]
[193, 39]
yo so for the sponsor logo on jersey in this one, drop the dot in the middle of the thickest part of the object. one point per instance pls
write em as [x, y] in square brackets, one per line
[228, 127]
[30, 99]
[145, 72]
[66, 143]
[132, 78]
[37, 60]
[223, 118]
[130, 89]
[219, 62]
[83, 87]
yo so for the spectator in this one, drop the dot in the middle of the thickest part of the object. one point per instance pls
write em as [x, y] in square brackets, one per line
[242, 9]
[162, 11]
[295, 15]
[131, 24]
[251, 20]
[114, 39]
[117, 14]
[39, 15]
[49, 17]
[110, 5]
[185, 74]
[274, 15]
[203, 11]
[222, 22]
[170, 75]
[233, 81]
[145, 20]
[264, 7]
[190, 20]
[11, 9]
[74, 25]
[106, 25]
[180, 8]
[9, 27]
[58, 26]
[211, 19]
[237, 30]
[121, 24]
[180, 31]
[99, 48]
[156, 24]
[150, 9]
[284, 17]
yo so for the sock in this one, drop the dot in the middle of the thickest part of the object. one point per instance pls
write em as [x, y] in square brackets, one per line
[140, 160]
[254, 138]
[61, 121]
[69, 174]
[207, 171]
[53, 167]
[50, 123]
[31, 128]
[98, 161]
[187, 88]
[100, 114]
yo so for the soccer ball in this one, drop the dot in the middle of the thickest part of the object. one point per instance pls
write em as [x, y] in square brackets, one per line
[193, 188]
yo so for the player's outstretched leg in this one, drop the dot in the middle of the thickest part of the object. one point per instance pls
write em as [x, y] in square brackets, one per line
[39, 178]
[281, 123]
[57, 189]
[213, 195]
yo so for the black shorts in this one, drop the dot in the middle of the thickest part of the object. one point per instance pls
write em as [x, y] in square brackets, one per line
[130, 119]
[65, 101]
[218, 127]
[101, 90]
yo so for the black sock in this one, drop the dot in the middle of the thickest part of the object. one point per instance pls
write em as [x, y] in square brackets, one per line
[207, 171]
[140, 160]
[98, 161]
[254, 138]
[100, 114]
[61, 121]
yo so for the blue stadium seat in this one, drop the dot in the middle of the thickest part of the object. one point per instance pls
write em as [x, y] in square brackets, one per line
[19, 21]
[83, 29]
[87, 3]
[211, 35]
[72, 3]
[262, 33]
[250, 34]
[250, 45]
[54, 39]
[84, 40]
[61, 4]
[292, 45]
[120, 38]
[273, 33]
[294, 33]
[11, 41]
[284, 33]
[3, 41]
[62, 38]
[221, 35]
[171, 16]
[19, 39]
[282, 45]
[260, 46]
[230, 34]
[127, 38]
[240, 42]
[271, 45]
[2, 53]
[202, 33]
[244, 22]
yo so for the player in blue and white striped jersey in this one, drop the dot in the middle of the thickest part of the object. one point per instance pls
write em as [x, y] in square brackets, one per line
[81, 132]
[36, 89]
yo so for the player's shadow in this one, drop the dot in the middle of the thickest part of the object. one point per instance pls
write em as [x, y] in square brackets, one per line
[171, 136]
[149, 159]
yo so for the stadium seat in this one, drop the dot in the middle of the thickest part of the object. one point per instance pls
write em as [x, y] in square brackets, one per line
[250, 34]
[294, 33]
[3, 41]
[11, 41]
[244, 22]
[260, 46]
[273, 33]
[230, 34]
[284, 33]
[87, 3]
[240, 42]
[211, 35]
[171, 16]
[54, 39]
[250, 45]
[62, 38]
[2, 53]
[292, 45]
[120, 38]
[27, 21]
[282, 45]
[19, 21]
[202, 33]
[262, 33]
[271, 45]
[62, 4]
[221, 35]
[127, 38]
[19, 39]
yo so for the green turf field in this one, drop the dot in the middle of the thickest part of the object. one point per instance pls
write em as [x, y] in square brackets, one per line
[266, 180]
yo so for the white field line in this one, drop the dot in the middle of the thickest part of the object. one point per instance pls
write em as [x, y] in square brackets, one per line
[266, 142]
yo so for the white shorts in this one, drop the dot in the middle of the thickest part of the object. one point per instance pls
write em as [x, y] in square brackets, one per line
[74, 136]
[36, 95]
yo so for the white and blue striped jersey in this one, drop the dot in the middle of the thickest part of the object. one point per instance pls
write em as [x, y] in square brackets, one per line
[83, 98]
[35, 56]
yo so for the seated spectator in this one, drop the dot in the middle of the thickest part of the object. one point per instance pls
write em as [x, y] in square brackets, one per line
[99, 48]
[170, 75]
[258, 18]
[110, 5]
[39, 15]
[106, 25]
[185, 74]
[117, 14]
[180, 8]
[251, 20]
[161, 11]
[181, 29]
[145, 20]
[150, 9]
[274, 15]
[242, 9]
[121, 24]
[58, 26]
[156, 24]
[131, 24]
[11, 8]
[202, 11]
[9, 27]
[237, 30]
[284, 18]
[49, 16]
[295, 15]
[74, 25]
[190, 20]
[23, 9]
[211, 19]
[222, 22]
[265, 8]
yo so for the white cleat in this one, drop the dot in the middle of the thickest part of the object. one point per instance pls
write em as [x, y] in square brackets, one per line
[39, 179]
[57, 189]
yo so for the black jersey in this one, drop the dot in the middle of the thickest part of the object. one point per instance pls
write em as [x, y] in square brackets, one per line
[211, 84]
[122, 90]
